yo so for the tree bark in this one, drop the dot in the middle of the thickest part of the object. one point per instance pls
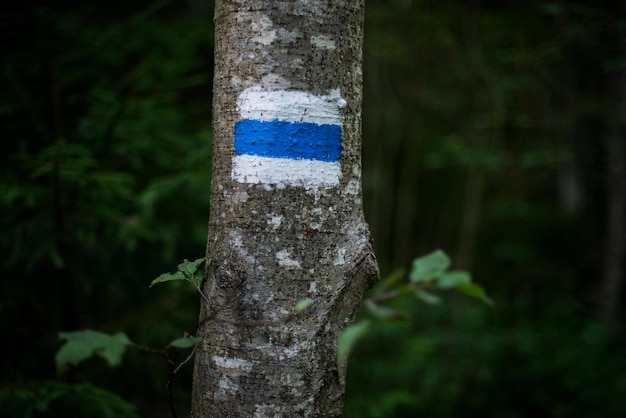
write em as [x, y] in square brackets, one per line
[286, 222]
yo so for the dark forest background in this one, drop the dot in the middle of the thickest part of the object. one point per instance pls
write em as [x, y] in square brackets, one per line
[495, 131]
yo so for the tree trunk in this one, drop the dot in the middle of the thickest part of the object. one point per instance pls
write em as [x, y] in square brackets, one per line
[615, 236]
[286, 222]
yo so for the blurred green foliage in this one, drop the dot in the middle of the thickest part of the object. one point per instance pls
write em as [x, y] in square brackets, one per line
[55, 399]
[485, 127]
[105, 181]
[469, 361]
[485, 133]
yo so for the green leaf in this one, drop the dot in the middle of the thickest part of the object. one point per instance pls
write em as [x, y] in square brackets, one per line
[406, 290]
[302, 305]
[427, 297]
[197, 280]
[81, 345]
[347, 340]
[185, 342]
[429, 267]
[454, 279]
[475, 291]
[168, 277]
[384, 312]
[390, 281]
[190, 267]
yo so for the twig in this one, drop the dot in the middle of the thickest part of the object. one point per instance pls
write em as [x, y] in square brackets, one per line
[168, 385]
[206, 299]
[182, 363]
[146, 348]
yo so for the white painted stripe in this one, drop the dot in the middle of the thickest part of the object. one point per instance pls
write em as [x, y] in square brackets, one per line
[291, 106]
[283, 171]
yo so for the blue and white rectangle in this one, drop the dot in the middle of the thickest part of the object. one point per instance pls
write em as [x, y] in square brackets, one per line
[288, 138]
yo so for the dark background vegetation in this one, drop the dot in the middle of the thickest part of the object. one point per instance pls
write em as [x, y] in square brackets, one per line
[492, 130]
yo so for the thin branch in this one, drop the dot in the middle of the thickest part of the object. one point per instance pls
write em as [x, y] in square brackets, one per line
[182, 363]
[206, 299]
[168, 385]
[146, 348]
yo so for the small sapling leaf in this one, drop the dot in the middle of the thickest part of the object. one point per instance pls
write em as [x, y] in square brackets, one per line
[197, 281]
[185, 342]
[475, 291]
[429, 267]
[81, 345]
[390, 281]
[427, 297]
[384, 312]
[190, 267]
[454, 279]
[302, 305]
[406, 290]
[348, 338]
[168, 277]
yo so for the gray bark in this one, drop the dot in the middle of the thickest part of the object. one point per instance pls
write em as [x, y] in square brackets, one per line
[272, 243]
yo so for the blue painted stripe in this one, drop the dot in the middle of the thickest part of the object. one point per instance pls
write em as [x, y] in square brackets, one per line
[282, 139]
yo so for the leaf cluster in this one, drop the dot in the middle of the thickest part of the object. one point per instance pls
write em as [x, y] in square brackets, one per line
[429, 276]
[186, 272]
[83, 345]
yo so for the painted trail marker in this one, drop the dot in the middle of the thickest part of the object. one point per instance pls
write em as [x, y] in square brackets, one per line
[288, 138]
